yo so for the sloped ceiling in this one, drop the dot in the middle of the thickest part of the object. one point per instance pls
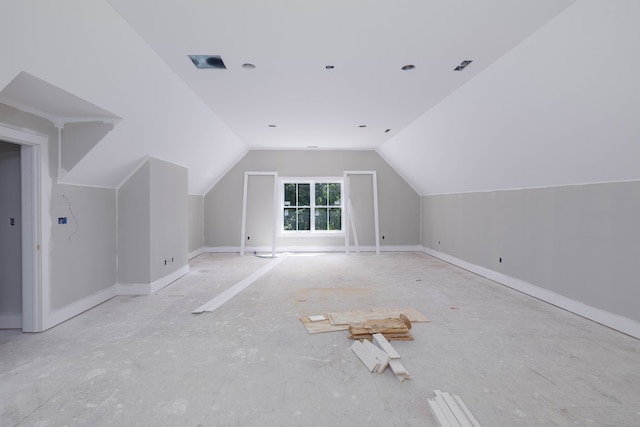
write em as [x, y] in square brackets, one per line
[130, 59]
[367, 42]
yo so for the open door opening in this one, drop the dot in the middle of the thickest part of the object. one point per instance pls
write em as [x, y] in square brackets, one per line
[29, 224]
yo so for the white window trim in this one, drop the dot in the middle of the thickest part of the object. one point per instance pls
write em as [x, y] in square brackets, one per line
[312, 181]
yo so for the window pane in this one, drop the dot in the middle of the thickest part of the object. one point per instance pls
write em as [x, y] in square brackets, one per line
[321, 194]
[290, 219]
[304, 194]
[321, 218]
[334, 194]
[304, 218]
[290, 194]
[335, 219]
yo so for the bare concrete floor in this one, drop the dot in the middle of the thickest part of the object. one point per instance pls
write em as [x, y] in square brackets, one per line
[148, 361]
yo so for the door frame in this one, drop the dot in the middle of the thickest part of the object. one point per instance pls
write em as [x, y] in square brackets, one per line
[35, 260]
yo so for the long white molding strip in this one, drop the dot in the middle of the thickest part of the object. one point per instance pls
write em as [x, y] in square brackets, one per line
[450, 411]
[365, 356]
[386, 346]
[614, 321]
[399, 370]
[225, 296]
[379, 354]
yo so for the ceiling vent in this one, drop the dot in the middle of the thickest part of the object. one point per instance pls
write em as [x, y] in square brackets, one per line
[463, 65]
[207, 61]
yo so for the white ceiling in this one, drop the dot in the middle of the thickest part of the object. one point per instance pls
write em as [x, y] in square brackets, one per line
[367, 41]
[551, 97]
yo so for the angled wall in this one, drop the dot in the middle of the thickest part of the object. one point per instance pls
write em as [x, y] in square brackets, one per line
[535, 163]
[152, 228]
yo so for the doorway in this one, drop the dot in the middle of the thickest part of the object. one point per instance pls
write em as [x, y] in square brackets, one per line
[30, 222]
[10, 237]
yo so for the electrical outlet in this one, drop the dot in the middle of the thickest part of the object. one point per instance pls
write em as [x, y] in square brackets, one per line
[12, 222]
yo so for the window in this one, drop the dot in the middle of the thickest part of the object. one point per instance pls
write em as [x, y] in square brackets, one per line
[312, 205]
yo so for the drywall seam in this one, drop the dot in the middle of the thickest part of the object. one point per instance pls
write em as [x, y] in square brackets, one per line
[614, 321]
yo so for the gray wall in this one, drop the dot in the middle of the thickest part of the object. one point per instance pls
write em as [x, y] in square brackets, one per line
[10, 236]
[152, 223]
[83, 259]
[134, 231]
[196, 227]
[85, 263]
[399, 204]
[582, 242]
[168, 218]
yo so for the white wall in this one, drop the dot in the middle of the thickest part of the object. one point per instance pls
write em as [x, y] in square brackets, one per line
[560, 108]
[87, 49]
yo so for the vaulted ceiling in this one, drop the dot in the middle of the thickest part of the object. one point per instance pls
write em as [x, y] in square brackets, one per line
[299, 75]
[325, 69]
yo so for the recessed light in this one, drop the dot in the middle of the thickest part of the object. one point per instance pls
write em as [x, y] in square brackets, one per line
[207, 61]
[388, 130]
[330, 67]
[272, 126]
[248, 66]
[408, 67]
[363, 126]
[312, 146]
[463, 65]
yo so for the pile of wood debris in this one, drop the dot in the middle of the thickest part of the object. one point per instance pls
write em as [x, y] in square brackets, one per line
[393, 323]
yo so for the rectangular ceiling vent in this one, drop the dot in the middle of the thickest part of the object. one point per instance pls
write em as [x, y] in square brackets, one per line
[463, 65]
[207, 61]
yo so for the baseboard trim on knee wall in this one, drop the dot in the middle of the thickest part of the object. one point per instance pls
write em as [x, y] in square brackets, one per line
[611, 320]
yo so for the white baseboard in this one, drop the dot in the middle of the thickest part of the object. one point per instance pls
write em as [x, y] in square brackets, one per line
[155, 286]
[195, 253]
[10, 321]
[298, 249]
[611, 320]
[67, 312]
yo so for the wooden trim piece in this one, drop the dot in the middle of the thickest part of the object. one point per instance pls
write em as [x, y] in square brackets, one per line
[225, 296]
[453, 421]
[455, 409]
[474, 422]
[399, 370]
[380, 355]
[365, 356]
[385, 345]
[438, 414]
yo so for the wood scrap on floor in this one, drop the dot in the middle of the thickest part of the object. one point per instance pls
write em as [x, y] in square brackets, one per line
[360, 316]
[340, 321]
[394, 328]
[450, 411]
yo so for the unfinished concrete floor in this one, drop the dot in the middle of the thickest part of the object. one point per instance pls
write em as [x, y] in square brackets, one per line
[148, 361]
